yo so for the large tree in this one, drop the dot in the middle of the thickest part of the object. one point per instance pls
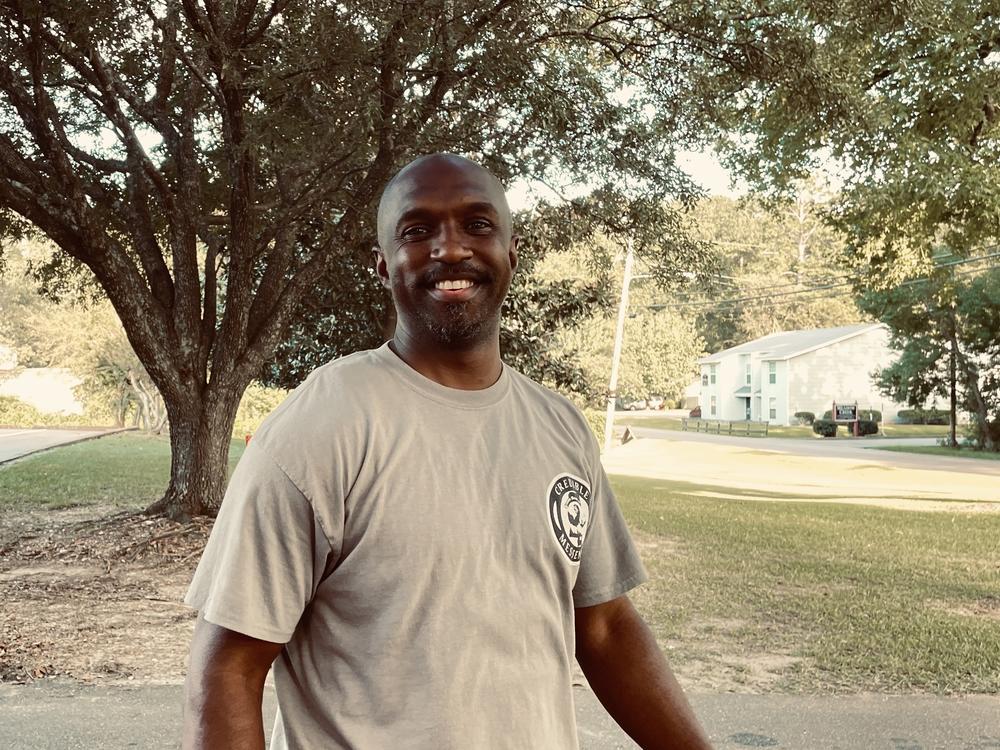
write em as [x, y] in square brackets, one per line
[945, 328]
[900, 101]
[213, 164]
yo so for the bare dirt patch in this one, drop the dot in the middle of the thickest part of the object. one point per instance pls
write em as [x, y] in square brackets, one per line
[988, 608]
[95, 596]
[726, 661]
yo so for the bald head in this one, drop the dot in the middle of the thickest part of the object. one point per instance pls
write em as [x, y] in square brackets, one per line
[439, 172]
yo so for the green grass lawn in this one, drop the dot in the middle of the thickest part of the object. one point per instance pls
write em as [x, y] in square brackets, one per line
[129, 470]
[854, 598]
[800, 431]
[864, 598]
[938, 450]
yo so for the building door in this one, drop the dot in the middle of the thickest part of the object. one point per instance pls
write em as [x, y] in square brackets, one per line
[748, 409]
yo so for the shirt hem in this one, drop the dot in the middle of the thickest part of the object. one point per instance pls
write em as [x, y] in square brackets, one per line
[601, 596]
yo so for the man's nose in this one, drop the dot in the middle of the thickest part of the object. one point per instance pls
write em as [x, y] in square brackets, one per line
[449, 245]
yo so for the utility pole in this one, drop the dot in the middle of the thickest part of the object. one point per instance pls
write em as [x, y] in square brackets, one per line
[609, 420]
[952, 378]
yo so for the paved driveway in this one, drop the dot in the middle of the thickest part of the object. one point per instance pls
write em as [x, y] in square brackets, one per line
[15, 443]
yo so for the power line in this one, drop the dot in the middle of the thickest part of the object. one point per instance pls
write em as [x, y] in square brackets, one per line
[709, 304]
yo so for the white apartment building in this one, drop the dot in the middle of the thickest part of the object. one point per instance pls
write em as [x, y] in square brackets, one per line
[771, 378]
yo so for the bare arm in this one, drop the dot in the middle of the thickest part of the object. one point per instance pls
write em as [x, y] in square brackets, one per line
[224, 689]
[630, 676]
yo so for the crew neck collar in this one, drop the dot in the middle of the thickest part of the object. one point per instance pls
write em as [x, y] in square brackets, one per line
[458, 397]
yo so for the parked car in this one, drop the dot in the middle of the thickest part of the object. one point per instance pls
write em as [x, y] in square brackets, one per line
[695, 413]
[633, 404]
[655, 402]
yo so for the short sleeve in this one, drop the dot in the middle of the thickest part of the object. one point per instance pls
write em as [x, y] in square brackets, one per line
[610, 564]
[266, 554]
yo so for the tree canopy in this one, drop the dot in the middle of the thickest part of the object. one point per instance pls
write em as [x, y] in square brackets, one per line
[899, 101]
[214, 165]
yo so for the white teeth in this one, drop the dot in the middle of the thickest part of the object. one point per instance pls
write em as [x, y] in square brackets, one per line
[452, 284]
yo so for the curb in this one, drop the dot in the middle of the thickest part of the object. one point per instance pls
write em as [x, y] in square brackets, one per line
[111, 431]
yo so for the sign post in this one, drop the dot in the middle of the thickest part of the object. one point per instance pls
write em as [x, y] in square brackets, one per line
[848, 413]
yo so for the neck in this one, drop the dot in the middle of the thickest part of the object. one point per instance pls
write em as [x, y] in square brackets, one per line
[469, 368]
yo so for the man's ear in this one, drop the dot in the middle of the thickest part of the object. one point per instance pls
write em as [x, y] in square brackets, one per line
[515, 240]
[380, 266]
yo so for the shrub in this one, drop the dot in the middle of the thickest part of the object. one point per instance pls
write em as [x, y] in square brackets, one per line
[873, 415]
[867, 427]
[936, 416]
[258, 401]
[17, 413]
[805, 417]
[922, 416]
[596, 418]
[825, 427]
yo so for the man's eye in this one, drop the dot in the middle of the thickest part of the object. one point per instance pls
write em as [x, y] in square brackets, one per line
[413, 232]
[480, 225]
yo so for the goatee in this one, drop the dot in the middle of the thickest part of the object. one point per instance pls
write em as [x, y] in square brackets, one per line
[458, 325]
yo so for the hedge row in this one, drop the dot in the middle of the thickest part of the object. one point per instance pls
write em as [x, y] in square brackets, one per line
[17, 413]
[923, 416]
[873, 415]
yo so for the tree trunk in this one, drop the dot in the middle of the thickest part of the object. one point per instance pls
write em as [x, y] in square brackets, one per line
[975, 396]
[200, 434]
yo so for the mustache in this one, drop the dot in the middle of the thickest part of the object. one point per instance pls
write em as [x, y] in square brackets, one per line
[463, 270]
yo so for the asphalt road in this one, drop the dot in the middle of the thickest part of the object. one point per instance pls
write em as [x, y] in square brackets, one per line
[861, 448]
[15, 443]
[67, 716]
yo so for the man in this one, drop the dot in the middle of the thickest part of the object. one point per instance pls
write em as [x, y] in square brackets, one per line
[420, 538]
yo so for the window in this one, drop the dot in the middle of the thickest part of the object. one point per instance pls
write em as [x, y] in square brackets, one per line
[772, 408]
[712, 408]
[772, 372]
[748, 373]
[704, 378]
[711, 370]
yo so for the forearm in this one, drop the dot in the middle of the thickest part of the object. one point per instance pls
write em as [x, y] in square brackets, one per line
[631, 677]
[224, 689]
[222, 712]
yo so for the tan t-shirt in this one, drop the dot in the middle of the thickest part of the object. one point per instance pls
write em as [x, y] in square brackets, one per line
[420, 551]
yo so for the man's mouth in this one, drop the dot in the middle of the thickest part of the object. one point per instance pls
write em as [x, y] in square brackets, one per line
[455, 290]
[454, 284]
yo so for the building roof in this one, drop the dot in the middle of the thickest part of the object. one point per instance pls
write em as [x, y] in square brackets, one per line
[788, 344]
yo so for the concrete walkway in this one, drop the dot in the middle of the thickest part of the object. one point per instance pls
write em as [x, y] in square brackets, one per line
[67, 716]
[17, 443]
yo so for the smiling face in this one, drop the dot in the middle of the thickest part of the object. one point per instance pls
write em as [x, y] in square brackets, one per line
[446, 251]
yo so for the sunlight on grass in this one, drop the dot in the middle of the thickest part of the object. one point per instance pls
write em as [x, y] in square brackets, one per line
[128, 470]
[867, 598]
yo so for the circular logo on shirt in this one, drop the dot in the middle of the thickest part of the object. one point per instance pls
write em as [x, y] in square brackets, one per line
[569, 512]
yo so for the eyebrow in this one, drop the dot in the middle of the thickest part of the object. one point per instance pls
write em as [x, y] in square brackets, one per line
[418, 212]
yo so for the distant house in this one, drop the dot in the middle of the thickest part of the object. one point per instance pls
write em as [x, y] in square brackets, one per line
[771, 378]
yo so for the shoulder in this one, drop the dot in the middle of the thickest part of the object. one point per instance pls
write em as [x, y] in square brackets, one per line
[334, 393]
[555, 407]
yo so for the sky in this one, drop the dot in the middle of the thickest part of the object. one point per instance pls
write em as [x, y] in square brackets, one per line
[703, 166]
